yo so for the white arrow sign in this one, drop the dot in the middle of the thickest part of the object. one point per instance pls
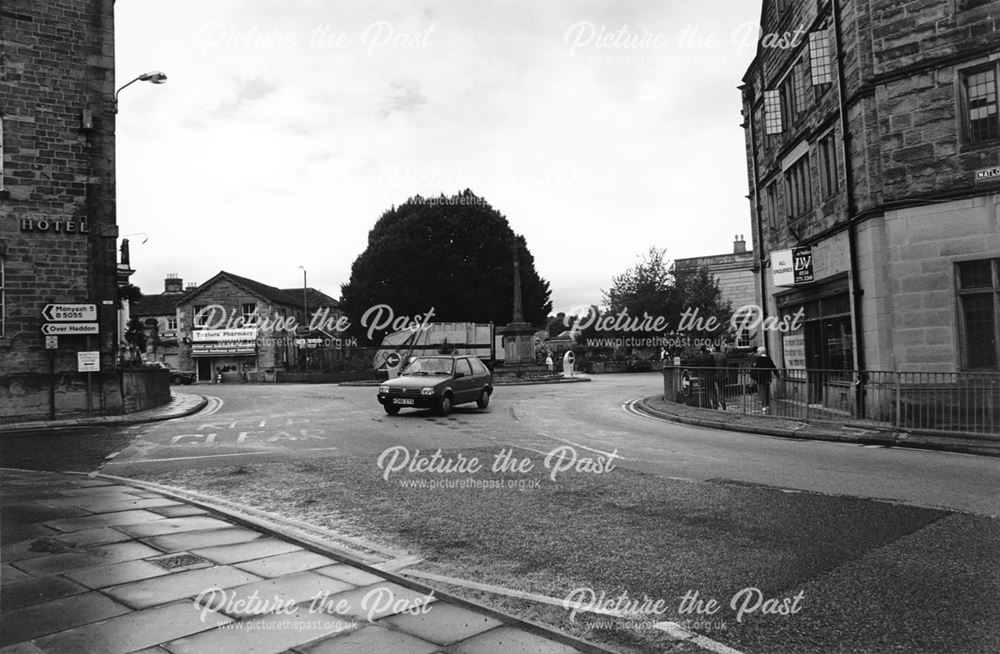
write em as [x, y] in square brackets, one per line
[69, 328]
[69, 312]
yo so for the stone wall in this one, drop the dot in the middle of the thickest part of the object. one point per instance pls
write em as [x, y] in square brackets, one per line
[57, 211]
[145, 388]
[926, 242]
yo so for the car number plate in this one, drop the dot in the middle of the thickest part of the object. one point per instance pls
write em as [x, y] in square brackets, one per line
[402, 400]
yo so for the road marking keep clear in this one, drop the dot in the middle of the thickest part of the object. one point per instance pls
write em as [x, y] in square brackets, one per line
[234, 432]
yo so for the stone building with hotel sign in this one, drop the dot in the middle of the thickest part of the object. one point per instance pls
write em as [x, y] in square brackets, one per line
[238, 327]
[57, 207]
[873, 147]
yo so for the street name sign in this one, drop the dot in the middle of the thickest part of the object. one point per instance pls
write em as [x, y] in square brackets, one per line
[70, 312]
[69, 328]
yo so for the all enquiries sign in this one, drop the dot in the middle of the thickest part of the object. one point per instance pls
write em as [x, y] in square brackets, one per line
[792, 267]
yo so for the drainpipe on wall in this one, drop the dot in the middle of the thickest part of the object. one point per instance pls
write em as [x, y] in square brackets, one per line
[852, 243]
[758, 222]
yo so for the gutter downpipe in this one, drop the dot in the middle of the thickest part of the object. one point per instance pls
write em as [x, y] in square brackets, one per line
[759, 223]
[856, 290]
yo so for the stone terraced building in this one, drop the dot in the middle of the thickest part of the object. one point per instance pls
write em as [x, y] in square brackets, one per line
[873, 148]
[57, 205]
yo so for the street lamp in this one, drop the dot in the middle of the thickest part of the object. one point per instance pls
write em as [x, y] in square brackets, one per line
[153, 77]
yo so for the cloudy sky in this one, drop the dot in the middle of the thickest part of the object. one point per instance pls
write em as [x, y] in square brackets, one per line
[286, 128]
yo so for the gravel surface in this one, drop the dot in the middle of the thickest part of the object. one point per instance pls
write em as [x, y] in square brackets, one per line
[873, 576]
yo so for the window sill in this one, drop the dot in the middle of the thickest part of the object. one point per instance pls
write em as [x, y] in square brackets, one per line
[992, 144]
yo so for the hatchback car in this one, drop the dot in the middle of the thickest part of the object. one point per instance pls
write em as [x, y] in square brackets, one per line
[176, 376]
[438, 382]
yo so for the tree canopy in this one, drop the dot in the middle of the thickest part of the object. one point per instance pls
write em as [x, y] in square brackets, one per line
[657, 288]
[453, 254]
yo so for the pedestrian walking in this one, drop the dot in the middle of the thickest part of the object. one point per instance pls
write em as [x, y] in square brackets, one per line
[720, 363]
[764, 371]
[706, 373]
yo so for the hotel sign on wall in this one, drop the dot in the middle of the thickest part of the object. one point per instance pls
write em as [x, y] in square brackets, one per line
[792, 267]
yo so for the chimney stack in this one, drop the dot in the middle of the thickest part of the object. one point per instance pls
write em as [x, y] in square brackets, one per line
[173, 284]
[739, 245]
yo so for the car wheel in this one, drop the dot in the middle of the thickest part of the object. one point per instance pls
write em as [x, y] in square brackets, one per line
[175, 379]
[390, 409]
[444, 404]
[484, 399]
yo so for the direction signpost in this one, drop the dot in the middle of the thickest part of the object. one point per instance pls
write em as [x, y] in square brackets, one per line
[69, 328]
[70, 312]
[70, 320]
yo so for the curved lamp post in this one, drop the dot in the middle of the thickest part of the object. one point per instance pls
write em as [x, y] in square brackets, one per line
[153, 76]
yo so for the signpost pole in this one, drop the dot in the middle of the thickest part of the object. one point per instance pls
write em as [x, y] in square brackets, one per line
[90, 385]
[52, 384]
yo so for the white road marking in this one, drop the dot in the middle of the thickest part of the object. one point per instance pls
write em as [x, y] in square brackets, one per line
[213, 406]
[592, 449]
[213, 456]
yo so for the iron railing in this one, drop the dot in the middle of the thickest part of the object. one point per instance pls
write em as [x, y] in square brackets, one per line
[958, 402]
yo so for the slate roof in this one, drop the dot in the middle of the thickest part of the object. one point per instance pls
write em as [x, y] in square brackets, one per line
[164, 304]
[288, 297]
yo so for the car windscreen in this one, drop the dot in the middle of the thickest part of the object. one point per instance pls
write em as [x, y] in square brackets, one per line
[429, 366]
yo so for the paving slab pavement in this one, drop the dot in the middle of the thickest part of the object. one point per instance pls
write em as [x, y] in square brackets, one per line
[85, 570]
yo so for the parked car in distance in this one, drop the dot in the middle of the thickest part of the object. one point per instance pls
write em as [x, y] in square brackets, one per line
[176, 376]
[438, 382]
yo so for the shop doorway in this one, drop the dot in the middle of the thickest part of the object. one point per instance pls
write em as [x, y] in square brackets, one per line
[204, 370]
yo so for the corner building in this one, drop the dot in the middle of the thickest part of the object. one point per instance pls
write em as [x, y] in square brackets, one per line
[873, 150]
[57, 203]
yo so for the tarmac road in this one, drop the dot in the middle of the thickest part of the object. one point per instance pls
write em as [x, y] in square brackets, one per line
[262, 422]
[915, 573]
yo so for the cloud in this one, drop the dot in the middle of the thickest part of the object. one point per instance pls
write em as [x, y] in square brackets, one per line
[404, 96]
[247, 91]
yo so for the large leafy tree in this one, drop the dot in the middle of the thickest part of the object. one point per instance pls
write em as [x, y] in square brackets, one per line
[454, 255]
[657, 288]
[645, 287]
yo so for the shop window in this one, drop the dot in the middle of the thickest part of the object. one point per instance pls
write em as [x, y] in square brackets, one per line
[827, 150]
[979, 113]
[979, 301]
[798, 188]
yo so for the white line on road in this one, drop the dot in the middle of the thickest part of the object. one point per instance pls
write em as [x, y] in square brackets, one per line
[592, 449]
[213, 406]
[211, 456]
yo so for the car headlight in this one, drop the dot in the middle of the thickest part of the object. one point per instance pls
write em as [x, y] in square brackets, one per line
[427, 391]
[384, 388]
